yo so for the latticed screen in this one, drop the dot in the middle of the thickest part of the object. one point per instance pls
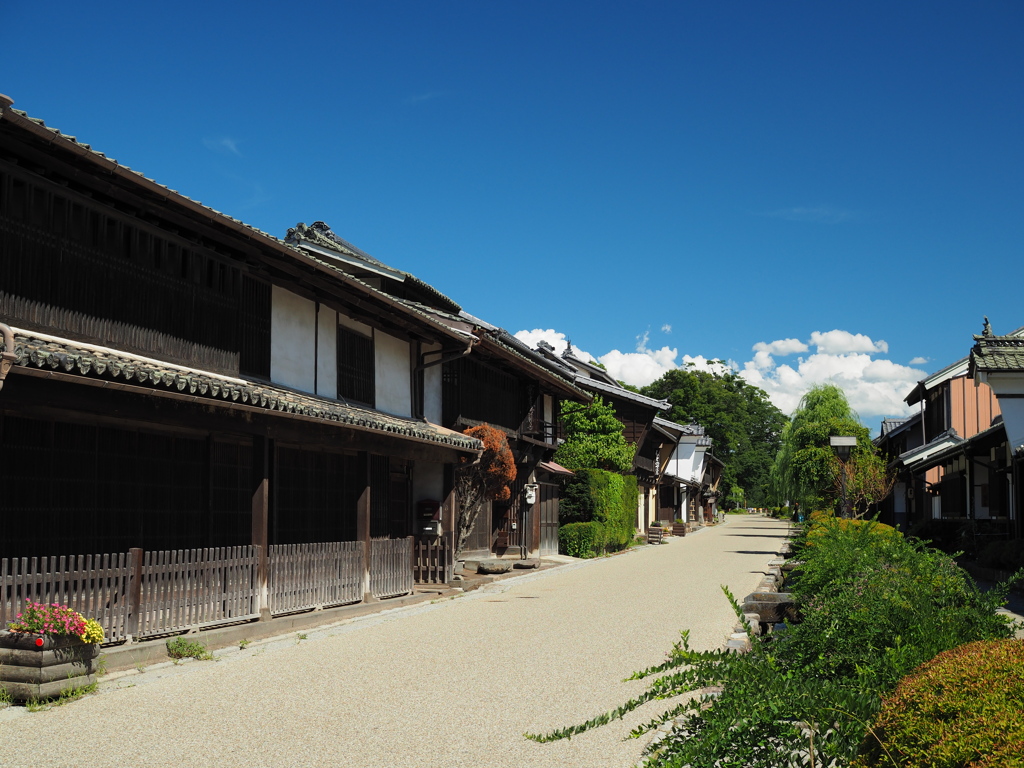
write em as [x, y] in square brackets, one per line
[69, 251]
[355, 367]
[316, 495]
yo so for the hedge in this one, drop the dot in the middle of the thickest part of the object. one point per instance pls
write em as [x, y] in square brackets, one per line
[605, 499]
[581, 539]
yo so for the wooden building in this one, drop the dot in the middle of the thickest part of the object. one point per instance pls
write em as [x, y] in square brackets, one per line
[637, 413]
[953, 461]
[182, 385]
[498, 381]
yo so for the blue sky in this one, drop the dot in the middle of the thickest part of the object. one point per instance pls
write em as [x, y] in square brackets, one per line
[813, 191]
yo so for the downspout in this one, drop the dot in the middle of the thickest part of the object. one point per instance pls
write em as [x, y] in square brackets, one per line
[443, 359]
[420, 391]
[9, 356]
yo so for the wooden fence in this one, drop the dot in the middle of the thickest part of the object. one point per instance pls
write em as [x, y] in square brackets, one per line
[145, 594]
[309, 576]
[191, 588]
[431, 561]
[94, 585]
[390, 567]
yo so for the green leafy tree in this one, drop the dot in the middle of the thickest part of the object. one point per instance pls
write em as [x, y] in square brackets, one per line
[743, 423]
[806, 469]
[593, 438]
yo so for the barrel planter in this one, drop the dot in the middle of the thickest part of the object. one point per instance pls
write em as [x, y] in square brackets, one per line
[36, 666]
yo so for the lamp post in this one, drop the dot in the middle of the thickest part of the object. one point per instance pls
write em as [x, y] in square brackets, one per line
[843, 447]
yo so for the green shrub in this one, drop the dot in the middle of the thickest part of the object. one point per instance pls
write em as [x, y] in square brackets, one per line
[874, 606]
[610, 499]
[877, 605]
[581, 539]
[962, 709]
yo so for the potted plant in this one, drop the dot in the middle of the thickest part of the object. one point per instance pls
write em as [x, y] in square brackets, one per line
[48, 650]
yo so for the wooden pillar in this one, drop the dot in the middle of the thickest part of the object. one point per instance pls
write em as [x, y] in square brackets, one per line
[363, 523]
[449, 519]
[134, 592]
[261, 518]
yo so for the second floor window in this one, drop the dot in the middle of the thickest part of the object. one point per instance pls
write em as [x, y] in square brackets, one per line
[355, 367]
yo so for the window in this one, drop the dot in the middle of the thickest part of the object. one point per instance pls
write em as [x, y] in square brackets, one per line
[355, 367]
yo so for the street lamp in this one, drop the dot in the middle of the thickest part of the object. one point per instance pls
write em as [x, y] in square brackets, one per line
[843, 447]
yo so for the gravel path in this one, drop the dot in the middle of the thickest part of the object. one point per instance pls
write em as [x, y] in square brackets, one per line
[454, 683]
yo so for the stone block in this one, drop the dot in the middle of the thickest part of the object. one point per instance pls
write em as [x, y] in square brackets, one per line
[526, 564]
[494, 565]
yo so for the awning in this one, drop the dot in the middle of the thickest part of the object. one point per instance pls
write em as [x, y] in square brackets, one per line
[554, 469]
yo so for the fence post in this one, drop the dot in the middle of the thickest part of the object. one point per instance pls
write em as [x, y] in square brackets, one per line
[134, 593]
[363, 527]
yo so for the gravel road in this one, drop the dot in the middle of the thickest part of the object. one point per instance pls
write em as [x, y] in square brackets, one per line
[452, 683]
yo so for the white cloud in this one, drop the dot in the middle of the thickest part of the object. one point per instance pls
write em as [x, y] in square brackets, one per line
[666, 328]
[223, 144]
[875, 386]
[838, 342]
[419, 98]
[781, 347]
[641, 367]
[919, 361]
[556, 339]
[765, 351]
[821, 214]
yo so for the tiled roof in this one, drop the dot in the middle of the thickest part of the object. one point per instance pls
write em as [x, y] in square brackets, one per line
[319, 233]
[71, 143]
[508, 343]
[684, 429]
[959, 368]
[613, 389]
[888, 425]
[44, 352]
[997, 353]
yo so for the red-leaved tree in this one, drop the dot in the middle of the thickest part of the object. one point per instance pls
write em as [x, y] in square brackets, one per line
[486, 479]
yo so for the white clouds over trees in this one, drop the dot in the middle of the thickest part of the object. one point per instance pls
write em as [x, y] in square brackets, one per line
[875, 386]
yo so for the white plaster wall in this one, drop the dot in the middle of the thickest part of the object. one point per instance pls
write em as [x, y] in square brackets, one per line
[681, 463]
[1013, 418]
[432, 386]
[355, 325]
[698, 463]
[428, 481]
[394, 375]
[292, 340]
[327, 353]
[1003, 384]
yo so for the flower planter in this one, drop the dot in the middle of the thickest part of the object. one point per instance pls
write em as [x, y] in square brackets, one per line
[33, 670]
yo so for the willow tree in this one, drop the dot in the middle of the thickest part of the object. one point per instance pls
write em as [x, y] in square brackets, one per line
[807, 471]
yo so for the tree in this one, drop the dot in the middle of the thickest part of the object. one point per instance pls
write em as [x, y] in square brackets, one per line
[593, 438]
[486, 479]
[744, 425]
[806, 469]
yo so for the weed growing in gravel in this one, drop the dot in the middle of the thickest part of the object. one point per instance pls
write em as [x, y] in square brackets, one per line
[244, 643]
[65, 697]
[179, 648]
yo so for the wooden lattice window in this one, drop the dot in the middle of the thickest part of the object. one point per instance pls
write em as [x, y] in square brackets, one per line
[355, 367]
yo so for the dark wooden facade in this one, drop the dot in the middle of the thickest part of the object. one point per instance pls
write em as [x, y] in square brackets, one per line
[102, 268]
